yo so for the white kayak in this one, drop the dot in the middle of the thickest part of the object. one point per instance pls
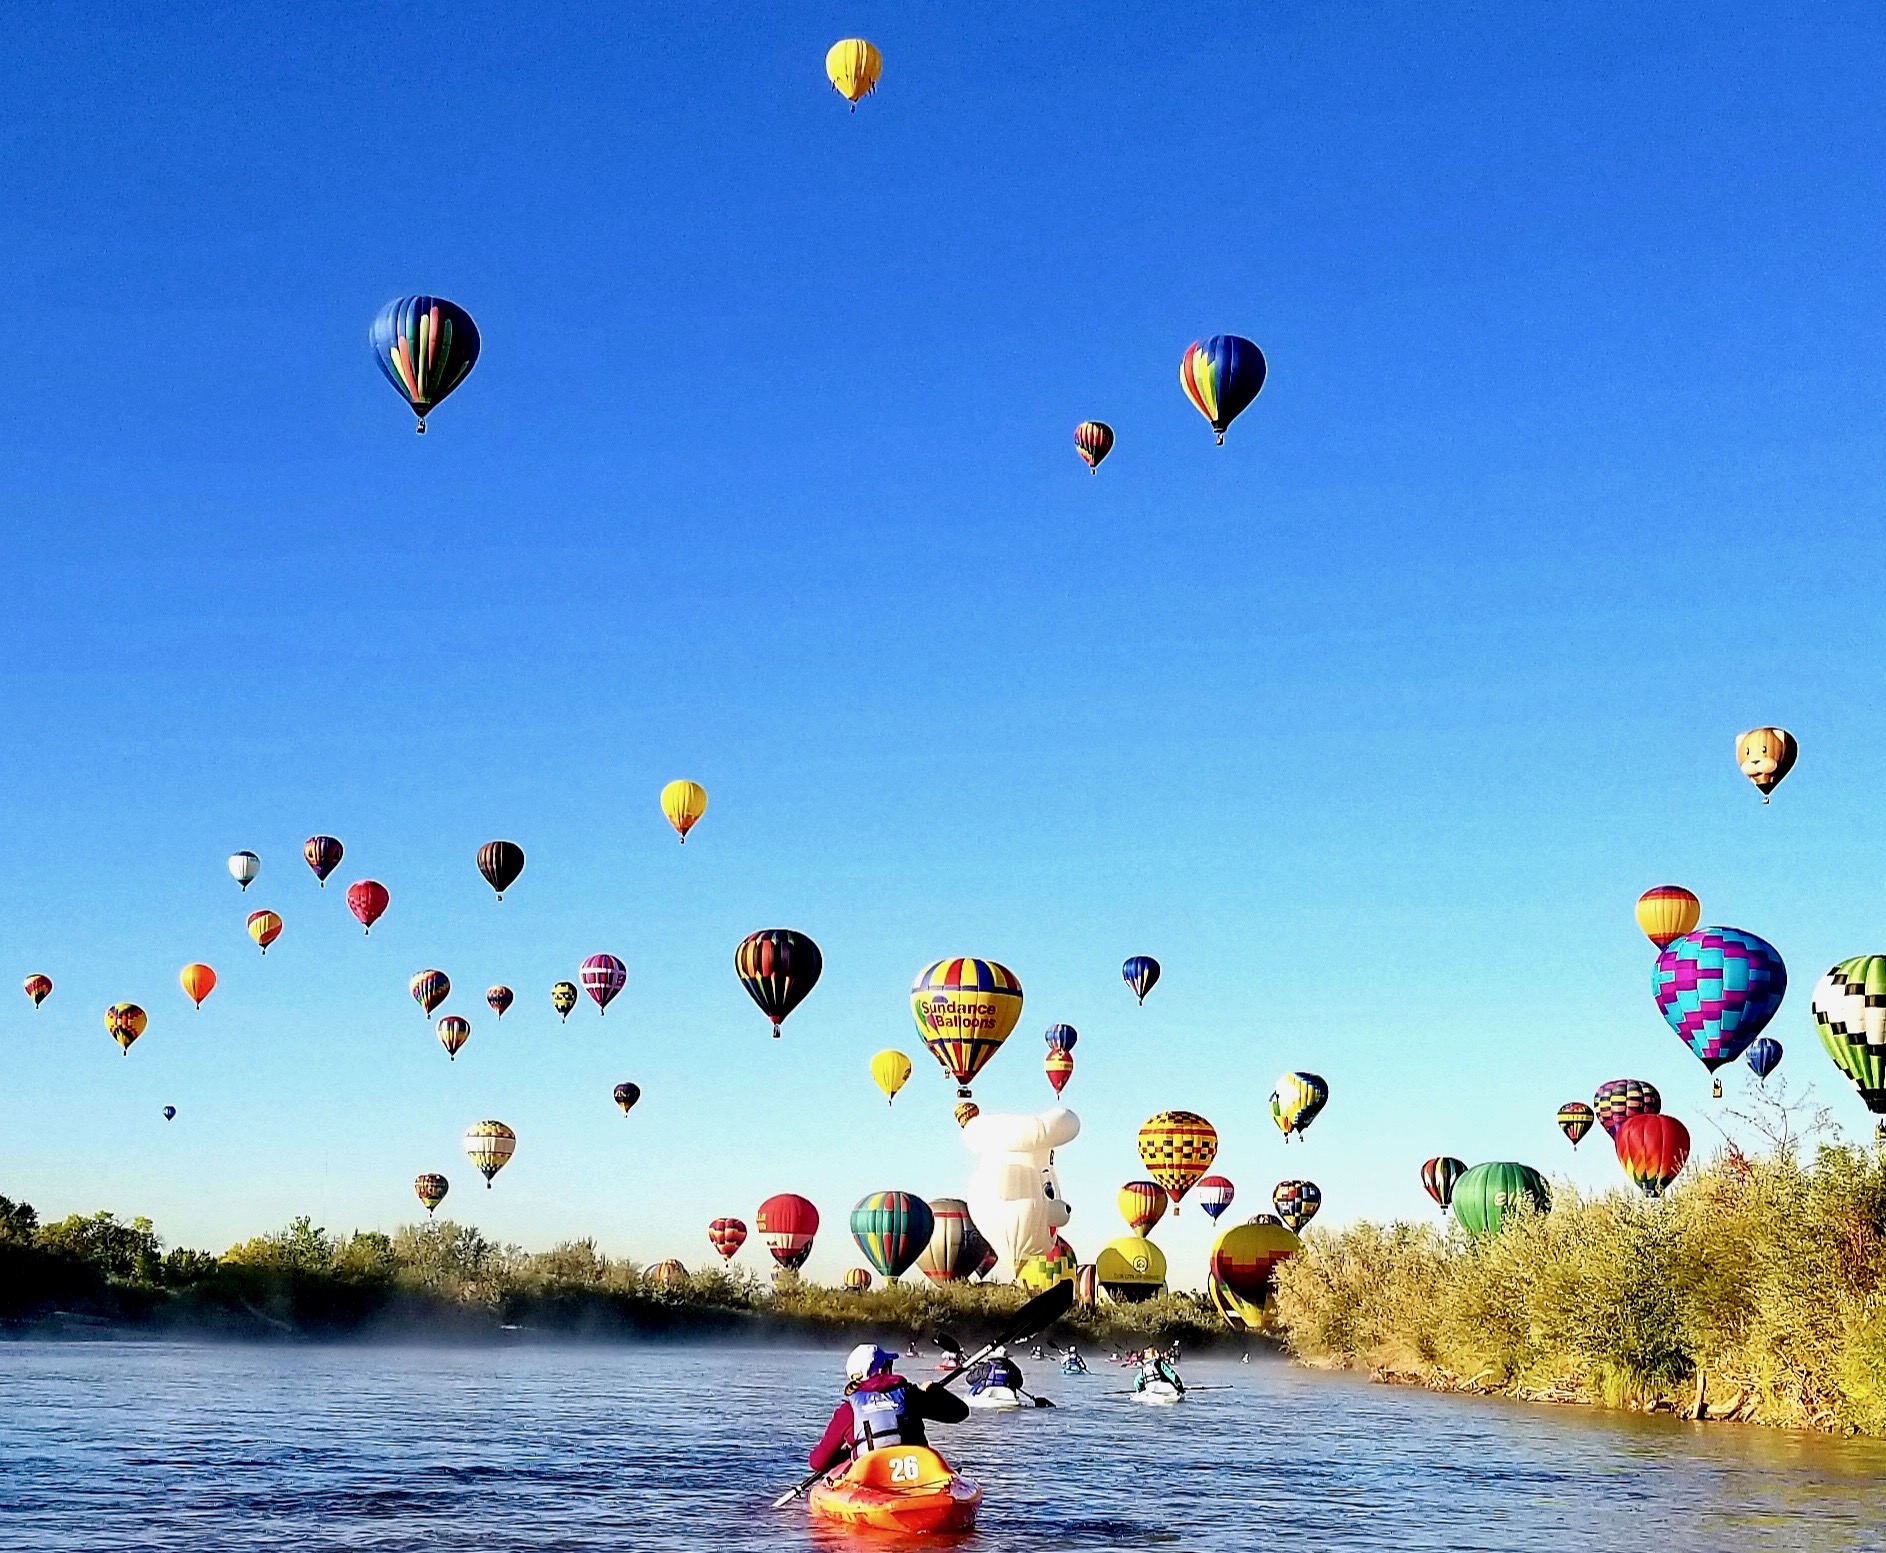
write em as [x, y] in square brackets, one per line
[996, 1396]
[1160, 1392]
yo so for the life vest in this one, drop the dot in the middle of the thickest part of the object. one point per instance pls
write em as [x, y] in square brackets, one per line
[878, 1420]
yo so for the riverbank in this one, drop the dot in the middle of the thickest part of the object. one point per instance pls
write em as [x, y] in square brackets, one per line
[1755, 1291]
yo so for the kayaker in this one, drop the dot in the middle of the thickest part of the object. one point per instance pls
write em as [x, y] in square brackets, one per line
[1072, 1363]
[996, 1370]
[881, 1408]
[1153, 1366]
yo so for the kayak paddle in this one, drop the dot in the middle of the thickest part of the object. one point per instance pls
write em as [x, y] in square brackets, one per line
[1037, 1315]
[944, 1340]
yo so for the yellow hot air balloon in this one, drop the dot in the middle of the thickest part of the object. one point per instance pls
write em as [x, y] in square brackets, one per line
[125, 1022]
[964, 1010]
[1766, 755]
[890, 1069]
[489, 1146]
[1130, 1269]
[853, 67]
[683, 803]
[1667, 913]
[198, 982]
[1142, 1204]
[1177, 1147]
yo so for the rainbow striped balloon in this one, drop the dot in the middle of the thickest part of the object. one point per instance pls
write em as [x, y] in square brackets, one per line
[1221, 376]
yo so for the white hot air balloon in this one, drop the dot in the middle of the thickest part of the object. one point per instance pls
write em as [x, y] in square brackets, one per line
[243, 867]
[1014, 1196]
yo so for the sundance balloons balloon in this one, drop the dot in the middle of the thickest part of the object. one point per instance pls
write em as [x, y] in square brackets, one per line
[453, 1033]
[683, 803]
[1669, 911]
[1653, 1151]
[1621, 1097]
[426, 346]
[1297, 1101]
[1177, 1148]
[1438, 1177]
[965, 1009]
[1575, 1120]
[489, 1146]
[1717, 987]
[1093, 440]
[38, 988]
[1850, 1018]
[892, 1229]
[324, 856]
[853, 66]
[500, 999]
[500, 862]
[727, 1236]
[1221, 376]
[563, 998]
[890, 1070]
[198, 982]
[243, 867]
[603, 976]
[124, 1023]
[788, 1223]
[367, 900]
[1142, 1204]
[626, 1095]
[264, 927]
[430, 989]
[1764, 1056]
[1140, 973]
[1214, 1195]
[1766, 755]
[430, 1189]
[778, 967]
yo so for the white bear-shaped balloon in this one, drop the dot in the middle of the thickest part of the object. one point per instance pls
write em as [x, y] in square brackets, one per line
[1013, 1194]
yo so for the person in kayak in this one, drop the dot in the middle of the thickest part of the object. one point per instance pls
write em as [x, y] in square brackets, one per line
[1072, 1363]
[996, 1370]
[880, 1408]
[1153, 1366]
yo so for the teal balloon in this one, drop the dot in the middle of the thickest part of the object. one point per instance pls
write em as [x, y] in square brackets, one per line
[1487, 1193]
[892, 1229]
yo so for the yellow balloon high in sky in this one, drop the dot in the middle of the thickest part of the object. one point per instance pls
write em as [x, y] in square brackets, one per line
[890, 1069]
[853, 66]
[198, 982]
[683, 803]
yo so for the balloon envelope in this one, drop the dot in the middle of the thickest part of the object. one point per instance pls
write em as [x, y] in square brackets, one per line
[1576, 1119]
[1142, 1204]
[1297, 1101]
[1093, 440]
[431, 1189]
[1717, 987]
[853, 66]
[264, 927]
[323, 854]
[1850, 1018]
[198, 982]
[1177, 1148]
[626, 1095]
[1621, 1097]
[243, 867]
[727, 1236]
[425, 346]
[1214, 1195]
[1486, 1194]
[1245, 1258]
[787, 1223]
[1059, 1067]
[956, 1246]
[1221, 376]
[1764, 1056]
[1062, 1038]
[965, 1009]
[500, 862]
[430, 989]
[124, 1023]
[563, 998]
[683, 803]
[1653, 1150]
[1439, 1176]
[453, 1033]
[500, 999]
[892, 1229]
[603, 976]
[1130, 1269]
[857, 1279]
[1296, 1202]
[489, 1146]
[890, 1070]
[778, 967]
[367, 900]
[1140, 973]
[38, 988]
[1766, 755]
[1669, 911]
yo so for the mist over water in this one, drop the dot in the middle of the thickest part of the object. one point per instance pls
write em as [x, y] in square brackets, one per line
[162, 1447]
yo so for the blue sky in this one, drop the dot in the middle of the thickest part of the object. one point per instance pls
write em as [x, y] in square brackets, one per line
[1370, 725]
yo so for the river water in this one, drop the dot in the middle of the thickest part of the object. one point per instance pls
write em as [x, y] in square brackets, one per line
[166, 1446]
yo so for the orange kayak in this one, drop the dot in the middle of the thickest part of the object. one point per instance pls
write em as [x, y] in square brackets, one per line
[899, 1488]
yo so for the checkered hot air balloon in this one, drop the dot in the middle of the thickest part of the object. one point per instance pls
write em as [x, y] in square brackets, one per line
[1621, 1097]
[1296, 1202]
[603, 976]
[965, 1009]
[1717, 987]
[124, 1023]
[1850, 1018]
[563, 999]
[1177, 1148]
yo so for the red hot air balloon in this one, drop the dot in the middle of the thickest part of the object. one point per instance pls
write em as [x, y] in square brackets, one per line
[1438, 1176]
[778, 967]
[1093, 440]
[367, 900]
[603, 976]
[1059, 1066]
[324, 856]
[727, 1236]
[1653, 1149]
[500, 999]
[787, 1224]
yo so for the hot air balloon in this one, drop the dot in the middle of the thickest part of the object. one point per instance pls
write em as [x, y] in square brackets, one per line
[1245, 1259]
[1141, 973]
[626, 1095]
[1055, 1265]
[1439, 1176]
[727, 1236]
[603, 976]
[857, 1279]
[1297, 1101]
[1130, 1269]
[198, 982]
[965, 1010]
[683, 803]
[1062, 1038]
[1575, 1120]
[124, 1023]
[667, 1275]
[1086, 1285]
[1177, 1148]
[430, 1190]
[264, 927]
[489, 1146]
[500, 862]
[38, 988]
[243, 867]
[367, 900]
[1717, 988]
[426, 346]
[956, 1246]
[170, 1113]
[1764, 1056]
[890, 1070]
[1265, 1218]
[853, 66]
[966, 1112]
[892, 1229]
[454, 1032]
[1669, 911]
[1093, 440]
[324, 856]
[1221, 376]
[1850, 1018]
[1486, 1193]
[1214, 1195]
[500, 999]
[990, 1258]
[1621, 1097]
[1766, 755]
[1653, 1151]
[563, 998]
[1059, 1067]
[778, 967]
[430, 989]
[1142, 1204]
[787, 1224]
[1296, 1202]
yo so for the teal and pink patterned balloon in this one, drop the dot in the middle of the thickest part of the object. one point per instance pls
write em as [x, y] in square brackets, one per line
[1718, 987]
[892, 1229]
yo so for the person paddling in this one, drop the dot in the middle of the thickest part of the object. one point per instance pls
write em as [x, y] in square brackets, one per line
[1153, 1366]
[880, 1408]
[1072, 1363]
[997, 1370]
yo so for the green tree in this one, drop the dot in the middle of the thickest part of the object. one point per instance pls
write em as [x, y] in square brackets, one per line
[129, 1252]
[18, 1221]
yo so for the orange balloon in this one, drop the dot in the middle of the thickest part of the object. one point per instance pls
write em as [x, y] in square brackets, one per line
[199, 981]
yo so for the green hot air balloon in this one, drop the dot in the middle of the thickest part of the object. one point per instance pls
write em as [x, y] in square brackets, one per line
[1483, 1196]
[892, 1229]
[1850, 1018]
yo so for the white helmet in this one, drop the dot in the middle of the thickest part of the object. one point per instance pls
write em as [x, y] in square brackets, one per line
[866, 1360]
